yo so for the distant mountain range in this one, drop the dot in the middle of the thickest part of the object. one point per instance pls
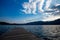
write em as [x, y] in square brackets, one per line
[3, 23]
[56, 22]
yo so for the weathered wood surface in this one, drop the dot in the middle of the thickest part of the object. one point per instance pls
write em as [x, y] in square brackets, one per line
[19, 34]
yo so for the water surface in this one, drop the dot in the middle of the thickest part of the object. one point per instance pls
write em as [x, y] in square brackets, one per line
[38, 30]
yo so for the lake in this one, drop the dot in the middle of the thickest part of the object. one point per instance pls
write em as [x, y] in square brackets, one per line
[38, 30]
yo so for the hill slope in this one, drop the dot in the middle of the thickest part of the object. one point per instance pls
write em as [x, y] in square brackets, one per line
[56, 22]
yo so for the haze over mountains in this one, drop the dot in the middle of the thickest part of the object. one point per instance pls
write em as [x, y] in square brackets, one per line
[56, 22]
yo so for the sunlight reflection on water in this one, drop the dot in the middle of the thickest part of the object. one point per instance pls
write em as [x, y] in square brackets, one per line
[38, 30]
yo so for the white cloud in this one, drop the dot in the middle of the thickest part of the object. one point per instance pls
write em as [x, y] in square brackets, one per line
[57, 4]
[36, 6]
[51, 18]
[31, 6]
[40, 6]
[48, 4]
[27, 7]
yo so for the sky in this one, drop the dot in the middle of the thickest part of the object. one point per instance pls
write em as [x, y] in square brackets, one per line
[24, 11]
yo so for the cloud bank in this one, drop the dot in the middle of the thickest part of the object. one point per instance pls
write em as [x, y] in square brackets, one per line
[44, 7]
[36, 5]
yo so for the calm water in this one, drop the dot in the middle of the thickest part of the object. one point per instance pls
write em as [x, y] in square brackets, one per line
[38, 30]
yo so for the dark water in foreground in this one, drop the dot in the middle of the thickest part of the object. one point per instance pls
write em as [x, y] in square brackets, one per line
[50, 31]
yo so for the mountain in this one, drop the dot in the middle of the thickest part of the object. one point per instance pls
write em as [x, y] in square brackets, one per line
[56, 22]
[4, 23]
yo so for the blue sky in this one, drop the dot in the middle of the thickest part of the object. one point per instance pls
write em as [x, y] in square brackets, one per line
[12, 11]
